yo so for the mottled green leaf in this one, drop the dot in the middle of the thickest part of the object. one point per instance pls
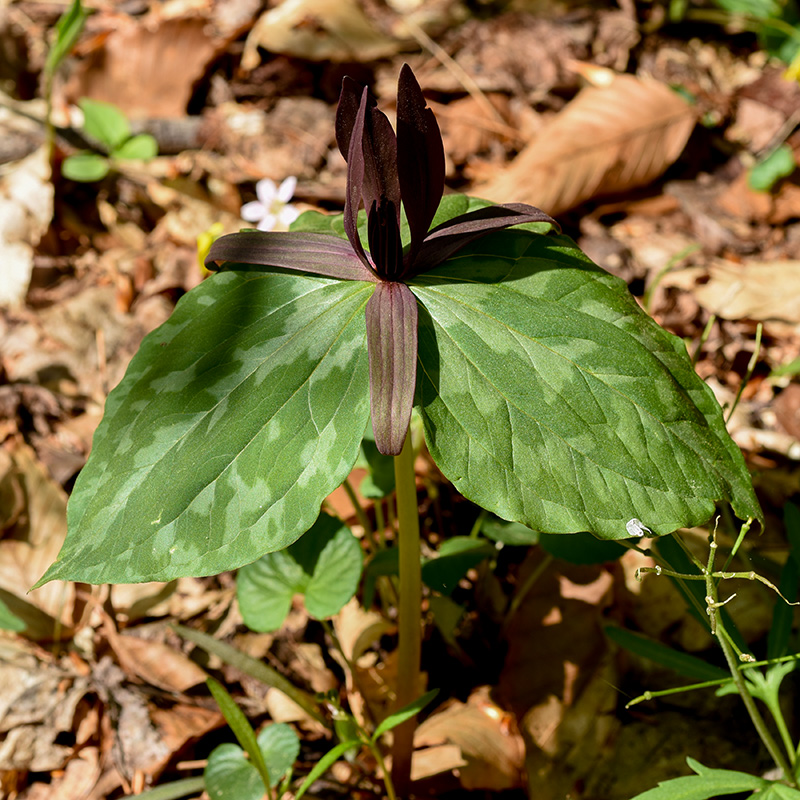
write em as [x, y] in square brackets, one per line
[235, 419]
[550, 398]
[324, 565]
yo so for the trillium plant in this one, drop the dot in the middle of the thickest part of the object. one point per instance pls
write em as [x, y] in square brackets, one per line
[545, 393]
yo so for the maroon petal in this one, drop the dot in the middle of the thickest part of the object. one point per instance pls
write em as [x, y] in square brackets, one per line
[420, 158]
[449, 237]
[355, 179]
[318, 253]
[380, 162]
[346, 111]
[392, 345]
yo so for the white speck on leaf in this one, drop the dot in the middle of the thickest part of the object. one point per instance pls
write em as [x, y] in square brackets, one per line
[636, 527]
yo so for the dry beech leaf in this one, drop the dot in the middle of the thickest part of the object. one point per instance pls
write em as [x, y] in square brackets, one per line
[607, 140]
[169, 59]
[44, 526]
[157, 663]
[765, 290]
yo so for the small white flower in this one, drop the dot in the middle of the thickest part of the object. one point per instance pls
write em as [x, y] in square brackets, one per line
[272, 207]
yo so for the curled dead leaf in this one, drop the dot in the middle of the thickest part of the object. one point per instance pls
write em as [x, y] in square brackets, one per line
[487, 738]
[608, 139]
[318, 30]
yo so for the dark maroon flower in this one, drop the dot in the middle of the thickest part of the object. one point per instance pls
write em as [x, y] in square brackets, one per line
[384, 172]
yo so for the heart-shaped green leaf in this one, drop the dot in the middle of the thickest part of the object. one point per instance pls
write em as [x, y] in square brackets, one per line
[142, 147]
[104, 122]
[550, 398]
[85, 167]
[324, 565]
[235, 419]
[230, 775]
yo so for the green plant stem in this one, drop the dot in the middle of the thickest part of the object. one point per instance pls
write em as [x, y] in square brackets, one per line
[751, 365]
[522, 592]
[363, 519]
[738, 679]
[380, 524]
[409, 629]
[387, 778]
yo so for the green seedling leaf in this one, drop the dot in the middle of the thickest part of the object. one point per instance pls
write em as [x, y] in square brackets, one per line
[10, 621]
[580, 548]
[324, 565]
[68, 29]
[174, 790]
[791, 368]
[456, 557]
[778, 164]
[682, 663]
[322, 766]
[142, 147]
[707, 784]
[511, 533]
[778, 791]
[379, 482]
[85, 167]
[104, 122]
[255, 668]
[399, 717]
[384, 562]
[246, 737]
[550, 398]
[234, 421]
[446, 616]
[17, 614]
[780, 631]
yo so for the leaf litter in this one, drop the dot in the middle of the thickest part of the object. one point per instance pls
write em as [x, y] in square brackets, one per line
[108, 699]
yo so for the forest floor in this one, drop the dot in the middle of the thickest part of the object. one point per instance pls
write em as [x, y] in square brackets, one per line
[642, 136]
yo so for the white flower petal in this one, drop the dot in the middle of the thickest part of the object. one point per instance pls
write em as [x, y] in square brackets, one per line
[253, 211]
[267, 222]
[266, 191]
[285, 191]
[287, 215]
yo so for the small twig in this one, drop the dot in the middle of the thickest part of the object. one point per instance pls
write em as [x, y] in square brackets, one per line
[449, 63]
[703, 338]
[751, 365]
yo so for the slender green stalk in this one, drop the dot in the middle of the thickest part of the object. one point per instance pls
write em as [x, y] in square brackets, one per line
[380, 525]
[409, 628]
[387, 778]
[738, 679]
[751, 365]
[522, 592]
[363, 519]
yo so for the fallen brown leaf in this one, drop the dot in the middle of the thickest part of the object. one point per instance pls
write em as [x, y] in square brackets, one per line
[492, 748]
[608, 139]
[765, 290]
